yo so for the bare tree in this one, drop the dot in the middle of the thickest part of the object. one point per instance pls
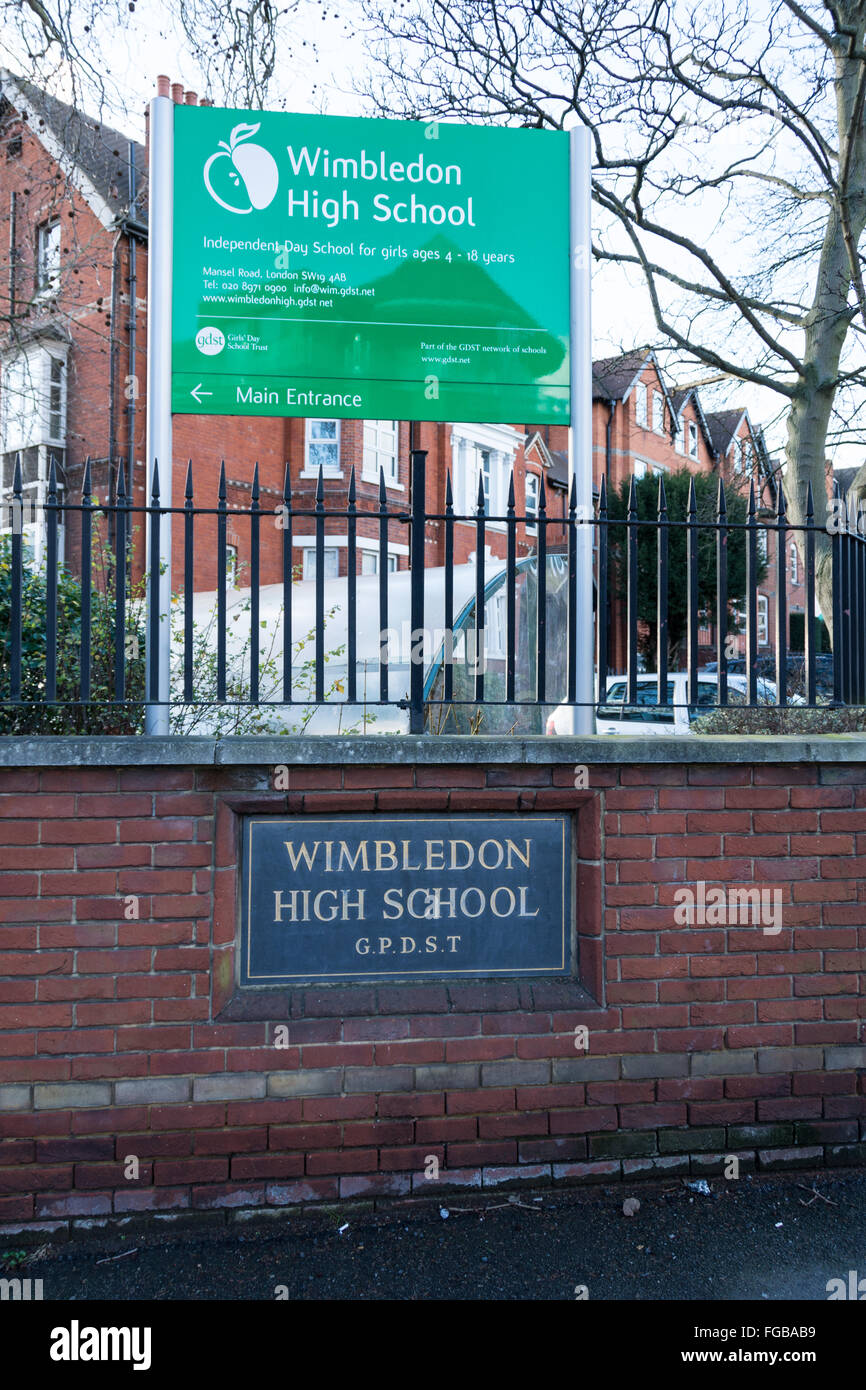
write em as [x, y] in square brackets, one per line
[72, 46]
[729, 151]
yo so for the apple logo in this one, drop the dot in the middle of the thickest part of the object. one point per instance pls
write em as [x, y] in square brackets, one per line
[250, 169]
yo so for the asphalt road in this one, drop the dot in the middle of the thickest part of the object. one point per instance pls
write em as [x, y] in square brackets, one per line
[754, 1239]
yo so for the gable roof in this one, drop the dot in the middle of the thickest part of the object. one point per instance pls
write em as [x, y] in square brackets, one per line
[723, 425]
[613, 377]
[844, 477]
[95, 157]
[680, 399]
[554, 460]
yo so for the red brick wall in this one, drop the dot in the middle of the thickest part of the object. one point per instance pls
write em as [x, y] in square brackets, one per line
[123, 1036]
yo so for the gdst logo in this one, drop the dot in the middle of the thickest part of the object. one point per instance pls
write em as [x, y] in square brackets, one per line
[249, 179]
[210, 341]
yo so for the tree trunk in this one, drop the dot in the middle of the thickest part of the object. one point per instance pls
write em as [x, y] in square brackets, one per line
[827, 329]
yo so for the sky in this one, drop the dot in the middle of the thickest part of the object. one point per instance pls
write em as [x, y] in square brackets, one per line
[322, 72]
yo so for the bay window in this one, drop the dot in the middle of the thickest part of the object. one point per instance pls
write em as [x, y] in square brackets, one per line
[33, 429]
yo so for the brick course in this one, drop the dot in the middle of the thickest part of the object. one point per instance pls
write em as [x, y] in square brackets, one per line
[126, 1038]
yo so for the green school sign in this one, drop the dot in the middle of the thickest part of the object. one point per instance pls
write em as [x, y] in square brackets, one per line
[331, 266]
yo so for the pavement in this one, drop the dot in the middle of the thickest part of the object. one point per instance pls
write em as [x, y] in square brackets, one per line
[755, 1238]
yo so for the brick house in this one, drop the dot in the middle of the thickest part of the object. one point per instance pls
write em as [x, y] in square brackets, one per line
[73, 381]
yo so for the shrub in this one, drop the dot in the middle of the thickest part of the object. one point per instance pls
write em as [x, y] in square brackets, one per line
[770, 719]
[69, 715]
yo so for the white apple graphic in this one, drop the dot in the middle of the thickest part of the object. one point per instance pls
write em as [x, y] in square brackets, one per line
[253, 169]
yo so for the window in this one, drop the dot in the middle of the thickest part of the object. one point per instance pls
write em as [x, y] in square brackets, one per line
[323, 446]
[485, 469]
[478, 457]
[33, 407]
[232, 566]
[738, 455]
[370, 562]
[679, 435]
[380, 450]
[763, 620]
[794, 565]
[331, 565]
[693, 440]
[747, 456]
[532, 484]
[56, 399]
[647, 710]
[641, 468]
[761, 536]
[48, 255]
[496, 626]
[640, 404]
[33, 427]
[658, 412]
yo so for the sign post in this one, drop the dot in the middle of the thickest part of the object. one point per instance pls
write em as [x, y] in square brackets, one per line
[581, 716]
[159, 282]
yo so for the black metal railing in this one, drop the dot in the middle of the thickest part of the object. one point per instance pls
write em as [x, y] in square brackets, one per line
[530, 661]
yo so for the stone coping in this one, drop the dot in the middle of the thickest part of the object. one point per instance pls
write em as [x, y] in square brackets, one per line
[143, 750]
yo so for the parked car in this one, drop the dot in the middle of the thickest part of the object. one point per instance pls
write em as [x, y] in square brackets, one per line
[648, 717]
[796, 672]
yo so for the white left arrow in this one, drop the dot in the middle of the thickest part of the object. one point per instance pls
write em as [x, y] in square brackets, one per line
[197, 393]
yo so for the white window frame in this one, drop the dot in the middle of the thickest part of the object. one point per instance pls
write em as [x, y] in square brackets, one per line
[658, 413]
[737, 447]
[532, 497]
[30, 429]
[795, 563]
[693, 439]
[370, 560]
[640, 404]
[232, 566]
[496, 626]
[763, 620]
[469, 443]
[375, 453]
[309, 561]
[48, 277]
[680, 426]
[641, 467]
[311, 470]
